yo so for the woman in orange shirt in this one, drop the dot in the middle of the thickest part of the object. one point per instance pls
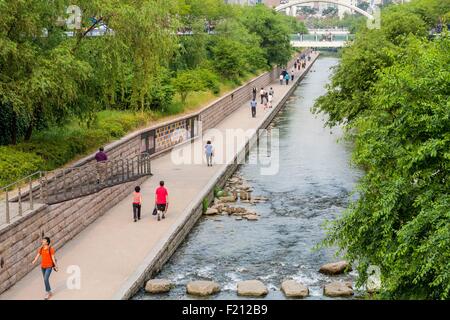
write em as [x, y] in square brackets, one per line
[48, 262]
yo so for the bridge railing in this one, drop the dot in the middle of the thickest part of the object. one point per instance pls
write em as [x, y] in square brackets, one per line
[12, 203]
[65, 184]
[323, 37]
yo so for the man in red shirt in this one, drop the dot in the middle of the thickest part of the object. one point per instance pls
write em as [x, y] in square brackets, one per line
[161, 199]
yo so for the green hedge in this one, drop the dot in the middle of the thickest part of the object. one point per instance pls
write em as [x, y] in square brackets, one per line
[55, 147]
[15, 164]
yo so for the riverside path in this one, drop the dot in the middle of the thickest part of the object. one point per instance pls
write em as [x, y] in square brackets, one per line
[111, 251]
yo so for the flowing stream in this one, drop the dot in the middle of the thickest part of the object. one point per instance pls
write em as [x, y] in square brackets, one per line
[313, 185]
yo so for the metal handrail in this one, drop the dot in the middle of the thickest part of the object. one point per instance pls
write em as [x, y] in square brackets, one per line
[69, 183]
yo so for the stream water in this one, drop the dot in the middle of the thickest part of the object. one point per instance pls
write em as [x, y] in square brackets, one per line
[313, 185]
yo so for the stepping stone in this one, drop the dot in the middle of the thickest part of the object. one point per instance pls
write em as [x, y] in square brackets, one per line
[158, 286]
[338, 289]
[251, 288]
[228, 199]
[211, 211]
[293, 289]
[335, 268]
[202, 288]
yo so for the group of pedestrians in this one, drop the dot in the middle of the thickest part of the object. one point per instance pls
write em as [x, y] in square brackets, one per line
[266, 99]
[161, 202]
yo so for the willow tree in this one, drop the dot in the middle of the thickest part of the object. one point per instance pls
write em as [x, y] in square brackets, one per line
[128, 59]
[39, 76]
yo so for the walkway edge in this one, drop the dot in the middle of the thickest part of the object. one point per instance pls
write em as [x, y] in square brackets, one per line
[162, 252]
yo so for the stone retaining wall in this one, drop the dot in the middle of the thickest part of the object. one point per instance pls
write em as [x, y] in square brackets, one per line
[61, 222]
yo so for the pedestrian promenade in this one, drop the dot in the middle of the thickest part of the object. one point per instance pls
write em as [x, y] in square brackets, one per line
[113, 247]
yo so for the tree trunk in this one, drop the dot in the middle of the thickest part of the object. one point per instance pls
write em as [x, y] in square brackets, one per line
[183, 97]
[29, 132]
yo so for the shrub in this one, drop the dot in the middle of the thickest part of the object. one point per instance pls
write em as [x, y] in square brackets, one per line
[16, 164]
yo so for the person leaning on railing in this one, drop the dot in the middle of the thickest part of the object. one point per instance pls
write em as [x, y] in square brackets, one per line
[101, 159]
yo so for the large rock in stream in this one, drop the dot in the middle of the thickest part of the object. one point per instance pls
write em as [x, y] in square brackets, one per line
[338, 289]
[251, 288]
[335, 268]
[158, 286]
[202, 288]
[293, 289]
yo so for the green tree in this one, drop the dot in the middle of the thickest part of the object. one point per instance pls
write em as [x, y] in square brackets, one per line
[274, 31]
[189, 81]
[39, 76]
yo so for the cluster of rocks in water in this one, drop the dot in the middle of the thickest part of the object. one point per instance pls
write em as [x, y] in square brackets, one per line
[256, 288]
[235, 189]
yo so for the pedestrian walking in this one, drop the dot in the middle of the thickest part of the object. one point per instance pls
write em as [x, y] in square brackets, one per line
[137, 202]
[254, 93]
[270, 101]
[295, 65]
[262, 94]
[101, 159]
[292, 75]
[48, 263]
[253, 105]
[281, 79]
[271, 92]
[209, 153]
[287, 78]
[161, 200]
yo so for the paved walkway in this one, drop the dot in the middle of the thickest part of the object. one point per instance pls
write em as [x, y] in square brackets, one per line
[113, 247]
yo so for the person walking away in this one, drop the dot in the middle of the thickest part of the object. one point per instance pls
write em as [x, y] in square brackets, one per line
[270, 100]
[254, 93]
[281, 79]
[292, 75]
[137, 202]
[287, 78]
[101, 159]
[271, 92]
[295, 65]
[209, 153]
[304, 64]
[262, 93]
[161, 200]
[253, 105]
[48, 262]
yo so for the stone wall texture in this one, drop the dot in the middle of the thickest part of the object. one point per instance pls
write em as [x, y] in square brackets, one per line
[61, 222]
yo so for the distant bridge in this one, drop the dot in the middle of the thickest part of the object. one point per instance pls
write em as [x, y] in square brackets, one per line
[290, 7]
[321, 40]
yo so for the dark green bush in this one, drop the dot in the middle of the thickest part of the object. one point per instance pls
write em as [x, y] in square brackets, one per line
[15, 164]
